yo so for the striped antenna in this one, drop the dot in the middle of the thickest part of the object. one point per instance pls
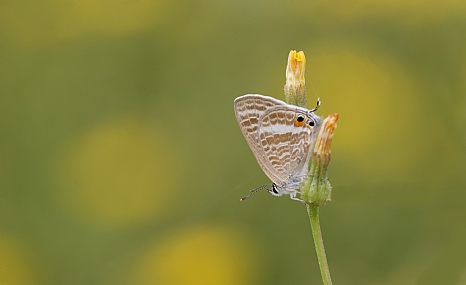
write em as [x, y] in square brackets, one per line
[255, 190]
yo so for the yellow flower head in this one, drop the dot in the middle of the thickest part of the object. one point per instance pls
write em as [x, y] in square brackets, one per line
[295, 86]
[296, 68]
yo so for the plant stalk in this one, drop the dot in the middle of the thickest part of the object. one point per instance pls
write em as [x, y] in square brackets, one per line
[313, 212]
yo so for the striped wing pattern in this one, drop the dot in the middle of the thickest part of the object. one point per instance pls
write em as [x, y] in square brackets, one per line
[285, 145]
[281, 148]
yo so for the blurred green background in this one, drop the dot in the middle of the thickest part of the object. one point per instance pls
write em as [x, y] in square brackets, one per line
[122, 162]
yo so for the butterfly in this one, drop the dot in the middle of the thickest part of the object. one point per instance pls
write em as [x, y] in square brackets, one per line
[281, 137]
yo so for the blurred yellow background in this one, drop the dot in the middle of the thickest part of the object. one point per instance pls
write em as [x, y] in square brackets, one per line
[122, 162]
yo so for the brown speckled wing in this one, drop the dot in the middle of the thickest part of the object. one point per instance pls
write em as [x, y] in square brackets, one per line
[286, 146]
[281, 148]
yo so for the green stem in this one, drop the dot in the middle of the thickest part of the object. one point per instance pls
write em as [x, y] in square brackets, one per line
[313, 212]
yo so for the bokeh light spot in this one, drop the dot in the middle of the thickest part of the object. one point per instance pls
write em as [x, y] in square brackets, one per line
[119, 173]
[45, 23]
[120, 16]
[17, 263]
[205, 255]
[380, 114]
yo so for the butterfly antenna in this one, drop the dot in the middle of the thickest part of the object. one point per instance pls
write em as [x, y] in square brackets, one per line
[317, 106]
[315, 92]
[254, 191]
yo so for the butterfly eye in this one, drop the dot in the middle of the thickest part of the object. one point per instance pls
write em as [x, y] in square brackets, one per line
[311, 123]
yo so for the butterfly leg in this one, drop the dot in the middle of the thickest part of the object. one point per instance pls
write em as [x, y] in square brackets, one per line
[293, 197]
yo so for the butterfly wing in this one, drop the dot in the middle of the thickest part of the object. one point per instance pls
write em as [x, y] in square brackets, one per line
[248, 110]
[281, 147]
[287, 143]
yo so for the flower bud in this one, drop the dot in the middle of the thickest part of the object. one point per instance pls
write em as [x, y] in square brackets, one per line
[295, 86]
[316, 190]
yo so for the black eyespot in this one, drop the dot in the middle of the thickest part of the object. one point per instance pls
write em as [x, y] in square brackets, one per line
[311, 123]
[300, 118]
